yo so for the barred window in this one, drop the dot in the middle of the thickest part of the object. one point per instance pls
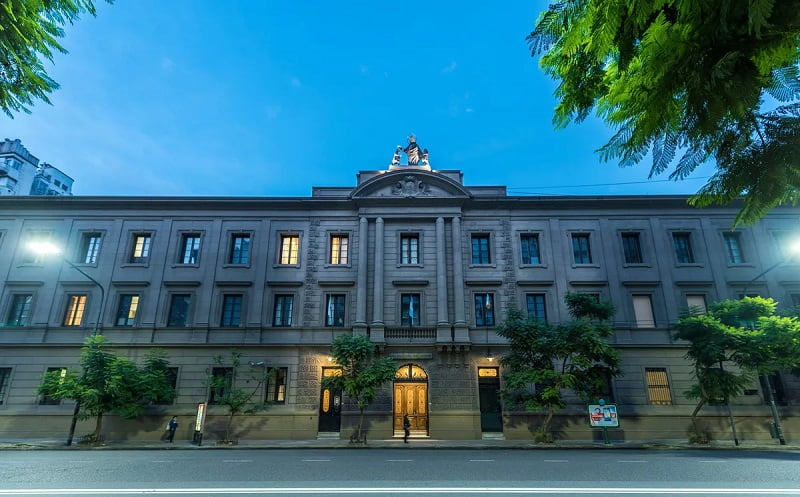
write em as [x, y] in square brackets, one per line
[658, 386]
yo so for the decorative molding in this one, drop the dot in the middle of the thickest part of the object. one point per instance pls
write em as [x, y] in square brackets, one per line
[641, 283]
[234, 283]
[697, 283]
[24, 283]
[285, 283]
[410, 282]
[483, 282]
[336, 283]
[535, 282]
[130, 283]
[589, 283]
[182, 283]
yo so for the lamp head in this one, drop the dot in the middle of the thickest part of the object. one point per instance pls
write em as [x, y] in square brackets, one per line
[257, 364]
[44, 248]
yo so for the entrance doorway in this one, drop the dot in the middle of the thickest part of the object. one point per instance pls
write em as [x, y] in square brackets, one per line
[411, 397]
[330, 405]
[489, 394]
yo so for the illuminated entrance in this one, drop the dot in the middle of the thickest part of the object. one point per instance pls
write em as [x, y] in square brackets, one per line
[411, 397]
[330, 405]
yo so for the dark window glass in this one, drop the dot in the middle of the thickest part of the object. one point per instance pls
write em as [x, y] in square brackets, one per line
[240, 249]
[536, 306]
[484, 309]
[90, 247]
[631, 248]
[334, 310]
[733, 248]
[581, 252]
[20, 312]
[231, 310]
[276, 385]
[172, 378]
[409, 309]
[126, 312]
[178, 310]
[530, 249]
[190, 248]
[682, 244]
[282, 314]
[221, 384]
[480, 249]
[5, 379]
[409, 249]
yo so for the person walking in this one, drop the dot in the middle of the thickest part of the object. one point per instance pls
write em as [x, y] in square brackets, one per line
[406, 428]
[172, 426]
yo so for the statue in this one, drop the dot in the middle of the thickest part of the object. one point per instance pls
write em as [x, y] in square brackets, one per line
[414, 154]
[396, 157]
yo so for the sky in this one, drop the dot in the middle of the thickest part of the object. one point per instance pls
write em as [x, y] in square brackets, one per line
[267, 98]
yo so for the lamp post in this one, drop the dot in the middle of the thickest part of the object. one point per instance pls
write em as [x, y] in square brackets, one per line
[46, 248]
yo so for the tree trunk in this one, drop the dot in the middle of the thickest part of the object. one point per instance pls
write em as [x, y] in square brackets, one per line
[360, 425]
[697, 408]
[228, 428]
[97, 427]
[545, 427]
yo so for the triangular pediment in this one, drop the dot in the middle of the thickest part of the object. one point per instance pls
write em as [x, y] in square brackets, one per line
[408, 182]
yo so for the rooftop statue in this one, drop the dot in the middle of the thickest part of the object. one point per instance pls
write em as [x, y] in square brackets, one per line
[413, 152]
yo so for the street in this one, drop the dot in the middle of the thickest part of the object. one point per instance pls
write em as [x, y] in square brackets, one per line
[399, 472]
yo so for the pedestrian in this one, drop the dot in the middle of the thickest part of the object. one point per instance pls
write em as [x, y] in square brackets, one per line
[172, 426]
[406, 428]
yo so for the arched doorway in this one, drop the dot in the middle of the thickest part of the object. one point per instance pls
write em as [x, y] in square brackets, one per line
[411, 397]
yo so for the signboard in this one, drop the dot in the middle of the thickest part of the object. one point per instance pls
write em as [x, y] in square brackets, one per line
[603, 416]
[201, 417]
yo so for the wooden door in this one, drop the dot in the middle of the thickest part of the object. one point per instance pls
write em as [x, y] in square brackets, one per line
[411, 399]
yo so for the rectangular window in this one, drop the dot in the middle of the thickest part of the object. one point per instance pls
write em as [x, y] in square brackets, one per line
[480, 249]
[282, 314]
[36, 237]
[179, 310]
[20, 312]
[795, 299]
[536, 306]
[126, 311]
[76, 305]
[338, 253]
[409, 309]
[231, 310]
[90, 247]
[172, 378]
[276, 386]
[334, 310]
[643, 310]
[190, 248]
[240, 249]
[409, 249]
[50, 401]
[581, 252]
[696, 303]
[141, 248]
[631, 248]
[221, 384]
[658, 386]
[290, 246]
[484, 309]
[5, 379]
[682, 244]
[733, 248]
[530, 249]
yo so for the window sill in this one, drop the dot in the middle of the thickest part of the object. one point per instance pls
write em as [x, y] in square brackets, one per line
[479, 266]
[329, 265]
[534, 266]
[589, 265]
[401, 265]
[286, 266]
[239, 266]
[637, 265]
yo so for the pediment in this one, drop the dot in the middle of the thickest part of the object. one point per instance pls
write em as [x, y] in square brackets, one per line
[410, 183]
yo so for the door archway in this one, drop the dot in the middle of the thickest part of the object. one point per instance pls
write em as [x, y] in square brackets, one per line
[411, 397]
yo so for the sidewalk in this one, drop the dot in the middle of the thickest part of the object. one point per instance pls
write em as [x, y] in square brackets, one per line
[419, 443]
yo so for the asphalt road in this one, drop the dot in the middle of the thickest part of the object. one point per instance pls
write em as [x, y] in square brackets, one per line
[399, 472]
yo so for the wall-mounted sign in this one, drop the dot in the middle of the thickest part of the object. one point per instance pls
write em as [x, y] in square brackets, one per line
[603, 416]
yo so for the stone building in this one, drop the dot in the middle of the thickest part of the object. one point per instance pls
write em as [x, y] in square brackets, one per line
[410, 256]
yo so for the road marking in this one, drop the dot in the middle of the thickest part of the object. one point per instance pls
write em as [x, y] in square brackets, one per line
[237, 460]
[406, 490]
[399, 460]
[556, 460]
[316, 460]
[161, 460]
[623, 460]
[714, 461]
[481, 460]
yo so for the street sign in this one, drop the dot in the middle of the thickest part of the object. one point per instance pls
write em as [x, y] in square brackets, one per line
[603, 416]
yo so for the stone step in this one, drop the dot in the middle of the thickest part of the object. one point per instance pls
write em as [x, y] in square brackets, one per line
[490, 435]
[331, 435]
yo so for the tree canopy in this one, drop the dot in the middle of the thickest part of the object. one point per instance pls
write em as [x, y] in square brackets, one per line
[29, 32]
[711, 80]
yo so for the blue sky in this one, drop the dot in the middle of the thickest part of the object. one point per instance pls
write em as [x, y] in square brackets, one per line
[264, 98]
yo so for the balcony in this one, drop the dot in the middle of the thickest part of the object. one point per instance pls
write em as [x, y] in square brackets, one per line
[410, 334]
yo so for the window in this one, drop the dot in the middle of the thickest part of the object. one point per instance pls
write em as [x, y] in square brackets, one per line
[484, 310]
[409, 249]
[605, 390]
[190, 248]
[221, 384]
[240, 249]
[126, 311]
[696, 303]
[282, 314]
[784, 240]
[338, 253]
[581, 253]
[480, 249]
[334, 310]
[658, 386]
[409, 309]
[141, 248]
[179, 310]
[46, 400]
[631, 248]
[172, 379]
[536, 306]
[20, 312]
[795, 299]
[682, 244]
[34, 237]
[275, 389]
[90, 247]
[5, 379]
[290, 245]
[530, 249]
[231, 310]
[733, 248]
[643, 310]
[76, 305]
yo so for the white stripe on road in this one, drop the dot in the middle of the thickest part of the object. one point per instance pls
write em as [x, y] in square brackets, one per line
[556, 460]
[630, 461]
[399, 460]
[237, 460]
[316, 460]
[481, 460]
[404, 490]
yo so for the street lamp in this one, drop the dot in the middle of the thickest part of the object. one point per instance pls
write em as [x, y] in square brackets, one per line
[792, 253]
[47, 248]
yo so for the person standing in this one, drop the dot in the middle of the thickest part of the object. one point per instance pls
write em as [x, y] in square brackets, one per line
[172, 426]
[406, 428]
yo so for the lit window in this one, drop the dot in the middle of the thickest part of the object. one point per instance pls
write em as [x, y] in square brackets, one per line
[536, 306]
[409, 309]
[90, 247]
[126, 312]
[484, 309]
[282, 314]
[643, 310]
[190, 248]
[141, 248]
[631, 248]
[658, 386]
[409, 248]
[480, 249]
[334, 310]
[682, 244]
[530, 249]
[733, 248]
[76, 305]
[581, 251]
[20, 312]
[290, 246]
[178, 310]
[338, 249]
[240, 249]
[231, 310]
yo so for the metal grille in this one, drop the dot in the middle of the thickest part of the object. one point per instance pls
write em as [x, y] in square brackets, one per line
[658, 386]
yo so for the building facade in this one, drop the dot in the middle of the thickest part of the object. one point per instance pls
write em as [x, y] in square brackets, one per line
[22, 174]
[410, 256]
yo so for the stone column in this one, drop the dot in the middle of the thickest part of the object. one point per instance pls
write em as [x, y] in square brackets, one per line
[442, 324]
[361, 288]
[461, 331]
[377, 295]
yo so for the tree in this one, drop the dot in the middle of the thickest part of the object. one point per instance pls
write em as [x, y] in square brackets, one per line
[109, 383]
[362, 372]
[546, 359]
[688, 76]
[237, 400]
[29, 30]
